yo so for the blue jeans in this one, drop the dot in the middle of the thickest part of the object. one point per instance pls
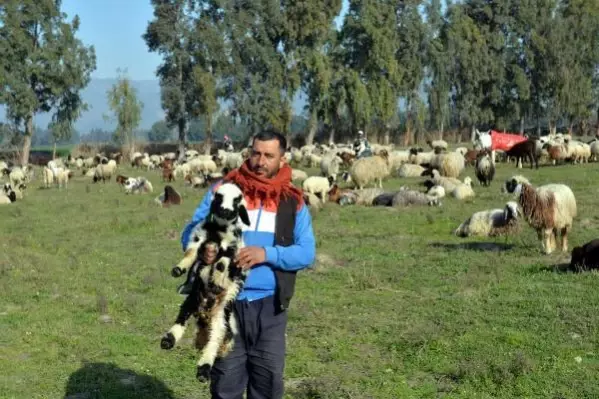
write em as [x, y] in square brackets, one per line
[257, 361]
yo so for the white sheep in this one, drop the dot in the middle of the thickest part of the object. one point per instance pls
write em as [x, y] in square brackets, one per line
[329, 165]
[370, 169]
[449, 164]
[548, 209]
[464, 190]
[405, 197]
[410, 170]
[138, 185]
[318, 185]
[448, 183]
[490, 223]
[7, 195]
[484, 169]
[298, 174]
[437, 144]
[511, 184]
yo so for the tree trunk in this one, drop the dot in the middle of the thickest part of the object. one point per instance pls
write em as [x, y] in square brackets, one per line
[522, 126]
[54, 150]
[27, 141]
[313, 125]
[386, 135]
[208, 139]
[131, 139]
[182, 140]
[332, 135]
[441, 131]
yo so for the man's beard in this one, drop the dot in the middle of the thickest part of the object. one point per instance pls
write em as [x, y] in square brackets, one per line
[265, 172]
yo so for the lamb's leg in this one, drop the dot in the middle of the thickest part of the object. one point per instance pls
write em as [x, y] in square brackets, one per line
[175, 333]
[564, 234]
[188, 259]
[217, 331]
[547, 238]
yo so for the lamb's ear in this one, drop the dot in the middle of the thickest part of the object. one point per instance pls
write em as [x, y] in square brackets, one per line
[243, 214]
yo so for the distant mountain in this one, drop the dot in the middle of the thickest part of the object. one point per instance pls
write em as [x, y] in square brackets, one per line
[148, 91]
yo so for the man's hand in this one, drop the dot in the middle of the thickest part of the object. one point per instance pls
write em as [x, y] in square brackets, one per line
[250, 256]
[210, 252]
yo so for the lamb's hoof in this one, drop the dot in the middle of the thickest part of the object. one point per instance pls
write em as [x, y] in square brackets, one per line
[176, 271]
[203, 374]
[168, 341]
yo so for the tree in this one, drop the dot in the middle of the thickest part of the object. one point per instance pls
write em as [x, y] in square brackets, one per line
[159, 132]
[43, 64]
[60, 131]
[122, 101]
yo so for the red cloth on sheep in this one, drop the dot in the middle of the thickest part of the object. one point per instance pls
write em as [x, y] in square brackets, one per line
[255, 186]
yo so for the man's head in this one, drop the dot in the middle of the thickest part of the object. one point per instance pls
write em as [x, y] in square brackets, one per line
[267, 153]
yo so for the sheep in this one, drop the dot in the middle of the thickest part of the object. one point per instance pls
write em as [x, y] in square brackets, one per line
[312, 200]
[358, 197]
[405, 197]
[370, 169]
[462, 151]
[548, 209]
[329, 165]
[215, 287]
[138, 185]
[169, 197]
[7, 196]
[450, 164]
[104, 171]
[410, 170]
[318, 185]
[491, 223]
[585, 257]
[524, 149]
[448, 183]
[18, 176]
[485, 169]
[471, 156]
[463, 190]
[298, 174]
[418, 157]
[511, 184]
[442, 144]
[122, 180]
[167, 173]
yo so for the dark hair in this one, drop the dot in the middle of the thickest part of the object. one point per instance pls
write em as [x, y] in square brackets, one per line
[271, 134]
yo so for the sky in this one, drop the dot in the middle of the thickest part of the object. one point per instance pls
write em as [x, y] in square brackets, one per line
[114, 28]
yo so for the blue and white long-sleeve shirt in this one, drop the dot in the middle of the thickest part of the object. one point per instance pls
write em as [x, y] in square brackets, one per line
[261, 281]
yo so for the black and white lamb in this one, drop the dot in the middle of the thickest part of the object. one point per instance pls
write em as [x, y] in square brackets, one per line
[215, 286]
[491, 223]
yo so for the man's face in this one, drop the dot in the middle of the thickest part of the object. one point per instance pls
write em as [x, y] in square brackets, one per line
[266, 158]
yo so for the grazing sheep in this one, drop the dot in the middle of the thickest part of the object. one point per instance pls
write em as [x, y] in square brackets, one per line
[318, 185]
[313, 201]
[585, 257]
[104, 171]
[329, 166]
[464, 190]
[410, 170]
[485, 169]
[370, 169]
[491, 223]
[215, 287]
[548, 209]
[169, 197]
[522, 150]
[405, 197]
[442, 144]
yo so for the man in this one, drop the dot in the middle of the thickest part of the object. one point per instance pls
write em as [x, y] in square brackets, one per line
[361, 146]
[279, 242]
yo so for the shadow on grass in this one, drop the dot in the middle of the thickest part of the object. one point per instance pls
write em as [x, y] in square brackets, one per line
[563, 268]
[474, 246]
[108, 381]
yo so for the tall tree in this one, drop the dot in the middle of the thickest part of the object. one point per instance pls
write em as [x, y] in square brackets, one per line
[160, 132]
[170, 34]
[43, 63]
[123, 102]
[369, 36]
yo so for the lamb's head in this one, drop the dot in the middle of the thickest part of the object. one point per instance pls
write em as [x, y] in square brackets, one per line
[511, 211]
[514, 185]
[468, 181]
[9, 192]
[228, 204]
[130, 184]
[331, 180]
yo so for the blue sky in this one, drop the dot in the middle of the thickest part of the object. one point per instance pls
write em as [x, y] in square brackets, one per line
[114, 28]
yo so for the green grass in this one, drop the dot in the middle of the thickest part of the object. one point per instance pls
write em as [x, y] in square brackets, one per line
[395, 307]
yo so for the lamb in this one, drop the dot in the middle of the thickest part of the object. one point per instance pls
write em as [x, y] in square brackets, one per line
[138, 185]
[358, 197]
[442, 144]
[318, 185]
[329, 165]
[214, 287]
[485, 169]
[370, 169]
[585, 257]
[122, 180]
[104, 171]
[548, 209]
[410, 170]
[448, 183]
[464, 190]
[491, 223]
[169, 197]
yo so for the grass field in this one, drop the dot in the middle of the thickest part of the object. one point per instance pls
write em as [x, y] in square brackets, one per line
[395, 307]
